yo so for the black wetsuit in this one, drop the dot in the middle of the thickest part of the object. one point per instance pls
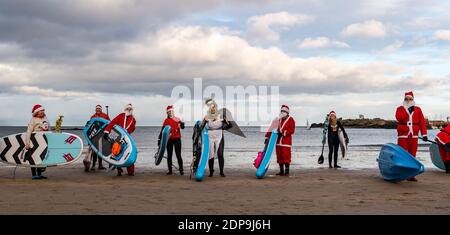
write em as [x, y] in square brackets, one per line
[333, 143]
[94, 160]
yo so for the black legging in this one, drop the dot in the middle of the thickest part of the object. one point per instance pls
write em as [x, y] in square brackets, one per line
[35, 171]
[220, 156]
[170, 145]
[333, 147]
[94, 160]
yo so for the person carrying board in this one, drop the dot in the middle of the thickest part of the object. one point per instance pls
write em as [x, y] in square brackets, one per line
[38, 123]
[98, 114]
[443, 138]
[176, 125]
[217, 123]
[286, 128]
[410, 122]
[333, 139]
[127, 121]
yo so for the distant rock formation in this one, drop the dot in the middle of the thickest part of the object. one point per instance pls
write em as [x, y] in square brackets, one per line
[366, 123]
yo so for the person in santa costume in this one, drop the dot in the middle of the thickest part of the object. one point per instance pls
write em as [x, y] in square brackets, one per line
[410, 122]
[98, 114]
[216, 124]
[38, 123]
[286, 128]
[333, 138]
[443, 138]
[127, 121]
[174, 139]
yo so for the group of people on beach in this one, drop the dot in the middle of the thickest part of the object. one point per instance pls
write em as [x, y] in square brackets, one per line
[410, 119]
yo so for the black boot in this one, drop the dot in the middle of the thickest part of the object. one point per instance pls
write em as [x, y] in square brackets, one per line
[211, 167]
[281, 170]
[447, 167]
[286, 170]
[335, 161]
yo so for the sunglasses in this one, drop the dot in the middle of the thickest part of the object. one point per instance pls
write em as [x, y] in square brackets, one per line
[409, 99]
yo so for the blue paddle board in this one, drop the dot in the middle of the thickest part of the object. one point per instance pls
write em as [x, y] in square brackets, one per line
[436, 157]
[200, 172]
[93, 132]
[262, 169]
[46, 149]
[396, 164]
[163, 145]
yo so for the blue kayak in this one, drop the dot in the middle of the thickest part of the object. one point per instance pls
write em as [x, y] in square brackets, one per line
[396, 164]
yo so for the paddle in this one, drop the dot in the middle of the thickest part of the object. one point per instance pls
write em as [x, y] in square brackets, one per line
[446, 148]
[325, 129]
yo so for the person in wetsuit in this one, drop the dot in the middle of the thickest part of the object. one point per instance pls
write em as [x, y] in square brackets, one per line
[333, 139]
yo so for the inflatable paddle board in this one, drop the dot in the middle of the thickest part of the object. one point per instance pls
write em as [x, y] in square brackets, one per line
[163, 145]
[264, 166]
[235, 129]
[196, 147]
[204, 157]
[396, 164]
[342, 143]
[47, 149]
[93, 132]
[436, 157]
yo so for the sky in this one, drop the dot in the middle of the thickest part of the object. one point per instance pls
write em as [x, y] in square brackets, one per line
[351, 56]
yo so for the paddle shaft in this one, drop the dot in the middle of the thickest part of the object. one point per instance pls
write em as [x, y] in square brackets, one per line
[447, 149]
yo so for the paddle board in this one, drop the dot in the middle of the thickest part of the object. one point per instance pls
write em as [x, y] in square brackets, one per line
[396, 164]
[93, 132]
[436, 157]
[204, 157]
[264, 166]
[342, 143]
[196, 147]
[163, 145]
[47, 149]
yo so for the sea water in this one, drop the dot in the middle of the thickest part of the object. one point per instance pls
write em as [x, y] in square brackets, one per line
[364, 147]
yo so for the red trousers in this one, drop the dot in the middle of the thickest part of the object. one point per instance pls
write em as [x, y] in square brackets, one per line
[444, 155]
[283, 154]
[409, 144]
[130, 170]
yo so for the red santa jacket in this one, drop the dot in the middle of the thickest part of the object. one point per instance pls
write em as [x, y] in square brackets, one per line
[175, 127]
[287, 128]
[102, 115]
[126, 122]
[444, 135]
[409, 124]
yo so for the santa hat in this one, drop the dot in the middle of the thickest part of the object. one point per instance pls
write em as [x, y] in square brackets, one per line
[169, 108]
[285, 108]
[332, 113]
[37, 108]
[128, 106]
[98, 106]
[409, 94]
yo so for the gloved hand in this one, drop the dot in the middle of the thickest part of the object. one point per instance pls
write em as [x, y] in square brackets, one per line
[106, 136]
[266, 141]
[425, 138]
[279, 135]
[159, 142]
[347, 140]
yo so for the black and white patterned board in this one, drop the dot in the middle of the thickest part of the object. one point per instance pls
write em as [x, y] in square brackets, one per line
[12, 149]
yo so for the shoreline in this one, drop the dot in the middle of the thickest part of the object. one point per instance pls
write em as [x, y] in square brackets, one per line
[69, 190]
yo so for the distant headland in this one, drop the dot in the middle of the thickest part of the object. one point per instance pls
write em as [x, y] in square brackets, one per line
[379, 123]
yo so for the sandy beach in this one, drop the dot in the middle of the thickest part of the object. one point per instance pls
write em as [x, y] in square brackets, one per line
[307, 191]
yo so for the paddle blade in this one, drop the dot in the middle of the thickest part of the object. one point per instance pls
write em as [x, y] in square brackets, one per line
[320, 160]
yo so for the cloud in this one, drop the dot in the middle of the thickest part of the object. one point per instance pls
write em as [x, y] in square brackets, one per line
[50, 93]
[321, 42]
[366, 29]
[392, 47]
[442, 35]
[267, 27]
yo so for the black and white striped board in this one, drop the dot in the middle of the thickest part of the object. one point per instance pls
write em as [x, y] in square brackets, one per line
[46, 149]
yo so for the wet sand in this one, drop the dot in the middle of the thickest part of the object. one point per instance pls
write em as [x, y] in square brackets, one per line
[69, 190]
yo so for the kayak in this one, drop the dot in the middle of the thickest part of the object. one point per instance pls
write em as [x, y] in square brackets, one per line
[396, 164]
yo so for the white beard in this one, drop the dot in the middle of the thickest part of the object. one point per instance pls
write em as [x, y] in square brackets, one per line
[128, 113]
[283, 115]
[408, 104]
